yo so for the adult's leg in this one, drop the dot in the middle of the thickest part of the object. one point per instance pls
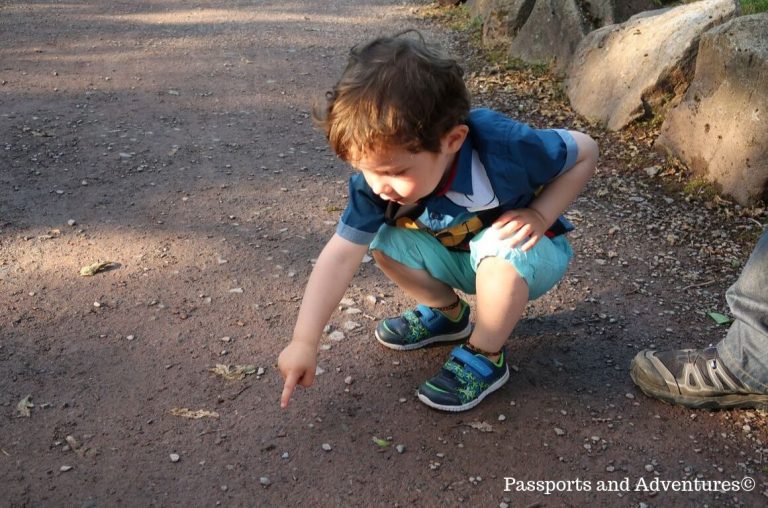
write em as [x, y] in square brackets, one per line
[744, 350]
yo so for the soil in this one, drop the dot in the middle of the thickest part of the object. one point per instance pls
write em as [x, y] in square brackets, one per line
[173, 139]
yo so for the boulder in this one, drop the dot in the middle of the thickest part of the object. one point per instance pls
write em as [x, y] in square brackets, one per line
[626, 71]
[502, 19]
[542, 31]
[720, 129]
[552, 32]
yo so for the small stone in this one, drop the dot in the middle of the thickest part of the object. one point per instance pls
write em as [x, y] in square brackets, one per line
[348, 380]
[175, 457]
[649, 467]
[71, 222]
[97, 304]
[371, 299]
[502, 418]
[326, 447]
[629, 396]
[400, 448]
[336, 335]
[260, 371]
[64, 469]
[129, 337]
[351, 325]
[559, 431]
[225, 339]
[610, 469]
[264, 480]
[236, 290]
[284, 456]
[319, 370]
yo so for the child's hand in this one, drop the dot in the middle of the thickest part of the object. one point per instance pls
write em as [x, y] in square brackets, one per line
[297, 364]
[521, 224]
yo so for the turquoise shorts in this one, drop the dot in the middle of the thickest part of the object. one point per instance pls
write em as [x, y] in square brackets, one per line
[541, 267]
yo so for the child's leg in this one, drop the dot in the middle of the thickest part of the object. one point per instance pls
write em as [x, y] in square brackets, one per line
[427, 271]
[502, 295]
[506, 279]
[418, 284]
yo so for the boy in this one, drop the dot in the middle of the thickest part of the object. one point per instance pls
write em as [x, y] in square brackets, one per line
[445, 198]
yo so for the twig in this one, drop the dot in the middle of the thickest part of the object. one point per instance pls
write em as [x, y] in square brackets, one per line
[233, 397]
[700, 285]
[5, 452]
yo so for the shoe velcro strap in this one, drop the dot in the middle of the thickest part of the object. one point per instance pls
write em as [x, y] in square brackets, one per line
[426, 312]
[475, 363]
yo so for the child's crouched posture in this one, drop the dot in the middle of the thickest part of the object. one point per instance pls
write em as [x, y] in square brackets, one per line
[445, 198]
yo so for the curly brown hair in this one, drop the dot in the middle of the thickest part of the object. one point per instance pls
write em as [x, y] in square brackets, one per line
[395, 92]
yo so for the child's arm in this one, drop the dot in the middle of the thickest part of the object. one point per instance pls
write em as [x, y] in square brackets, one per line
[531, 223]
[330, 278]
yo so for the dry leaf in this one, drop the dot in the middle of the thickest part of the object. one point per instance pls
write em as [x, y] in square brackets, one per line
[24, 406]
[195, 415]
[481, 426]
[233, 372]
[93, 269]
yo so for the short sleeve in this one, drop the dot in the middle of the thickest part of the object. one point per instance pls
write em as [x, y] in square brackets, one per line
[544, 153]
[364, 213]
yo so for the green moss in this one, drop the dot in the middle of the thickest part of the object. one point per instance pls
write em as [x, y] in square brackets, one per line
[699, 187]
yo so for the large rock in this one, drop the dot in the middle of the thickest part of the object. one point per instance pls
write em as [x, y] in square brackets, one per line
[542, 31]
[502, 19]
[720, 129]
[623, 72]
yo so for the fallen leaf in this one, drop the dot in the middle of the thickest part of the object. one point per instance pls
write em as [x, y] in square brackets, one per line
[382, 443]
[233, 372]
[195, 415]
[93, 269]
[24, 406]
[481, 426]
[718, 318]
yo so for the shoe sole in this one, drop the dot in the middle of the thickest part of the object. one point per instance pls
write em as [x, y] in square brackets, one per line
[469, 405]
[735, 401]
[451, 337]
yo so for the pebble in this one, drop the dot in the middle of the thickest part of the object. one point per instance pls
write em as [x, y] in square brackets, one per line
[175, 457]
[629, 396]
[319, 370]
[236, 290]
[225, 339]
[400, 448]
[285, 456]
[129, 337]
[559, 431]
[502, 418]
[348, 380]
[71, 222]
[97, 304]
[260, 371]
[336, 335]
[326, 447]
[351, 325]
[649, 467]
[64, 469]
[264, 480]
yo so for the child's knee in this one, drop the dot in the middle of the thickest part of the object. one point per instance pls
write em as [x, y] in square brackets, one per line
[381, 258]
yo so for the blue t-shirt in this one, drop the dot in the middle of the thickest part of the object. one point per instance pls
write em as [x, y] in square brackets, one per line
[501, 166]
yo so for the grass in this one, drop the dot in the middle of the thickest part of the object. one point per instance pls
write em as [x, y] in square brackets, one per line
[753, 6]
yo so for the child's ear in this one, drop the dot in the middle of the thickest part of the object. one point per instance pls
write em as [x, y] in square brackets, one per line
[454, 138]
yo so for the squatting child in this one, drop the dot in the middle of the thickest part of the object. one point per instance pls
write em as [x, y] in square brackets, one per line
[445, 198]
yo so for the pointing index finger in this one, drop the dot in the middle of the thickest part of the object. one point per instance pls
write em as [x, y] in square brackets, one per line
[290, 385]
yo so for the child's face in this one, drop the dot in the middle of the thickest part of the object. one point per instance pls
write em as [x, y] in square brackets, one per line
[405, 177]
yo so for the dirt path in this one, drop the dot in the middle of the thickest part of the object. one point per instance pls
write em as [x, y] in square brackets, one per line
[173, 139]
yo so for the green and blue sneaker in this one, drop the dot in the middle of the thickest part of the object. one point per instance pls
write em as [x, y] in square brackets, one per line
[421, 326]
[464, 381]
